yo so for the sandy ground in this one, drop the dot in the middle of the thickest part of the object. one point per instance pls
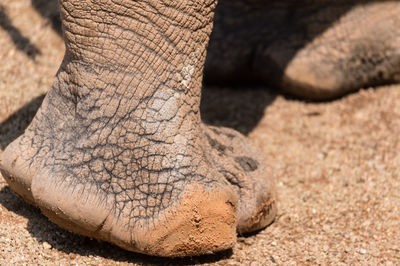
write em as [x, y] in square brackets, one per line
[336, 165]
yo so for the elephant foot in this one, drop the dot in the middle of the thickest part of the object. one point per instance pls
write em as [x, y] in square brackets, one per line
[143, 173]
[164, 186]
[118, 152]
[312, 49]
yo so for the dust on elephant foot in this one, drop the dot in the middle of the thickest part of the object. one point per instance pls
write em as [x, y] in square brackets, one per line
[118, 151]
[170, 201]
[313, 49]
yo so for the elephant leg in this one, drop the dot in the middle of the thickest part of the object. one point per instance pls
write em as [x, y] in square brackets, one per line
[312, 49]
[118, 152]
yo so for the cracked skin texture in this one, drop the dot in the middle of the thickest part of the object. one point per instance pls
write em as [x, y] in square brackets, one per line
[118, 151]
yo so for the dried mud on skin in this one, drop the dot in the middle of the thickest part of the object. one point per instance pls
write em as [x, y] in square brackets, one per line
[336, 166]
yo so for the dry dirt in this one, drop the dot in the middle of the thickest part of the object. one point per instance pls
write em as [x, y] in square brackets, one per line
[336, 165]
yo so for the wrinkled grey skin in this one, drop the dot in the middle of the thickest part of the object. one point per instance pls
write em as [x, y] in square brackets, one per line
[118, 150]
[314, 49]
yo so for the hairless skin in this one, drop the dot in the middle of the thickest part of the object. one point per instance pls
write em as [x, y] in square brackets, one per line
[118, 151]
[313, 49]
